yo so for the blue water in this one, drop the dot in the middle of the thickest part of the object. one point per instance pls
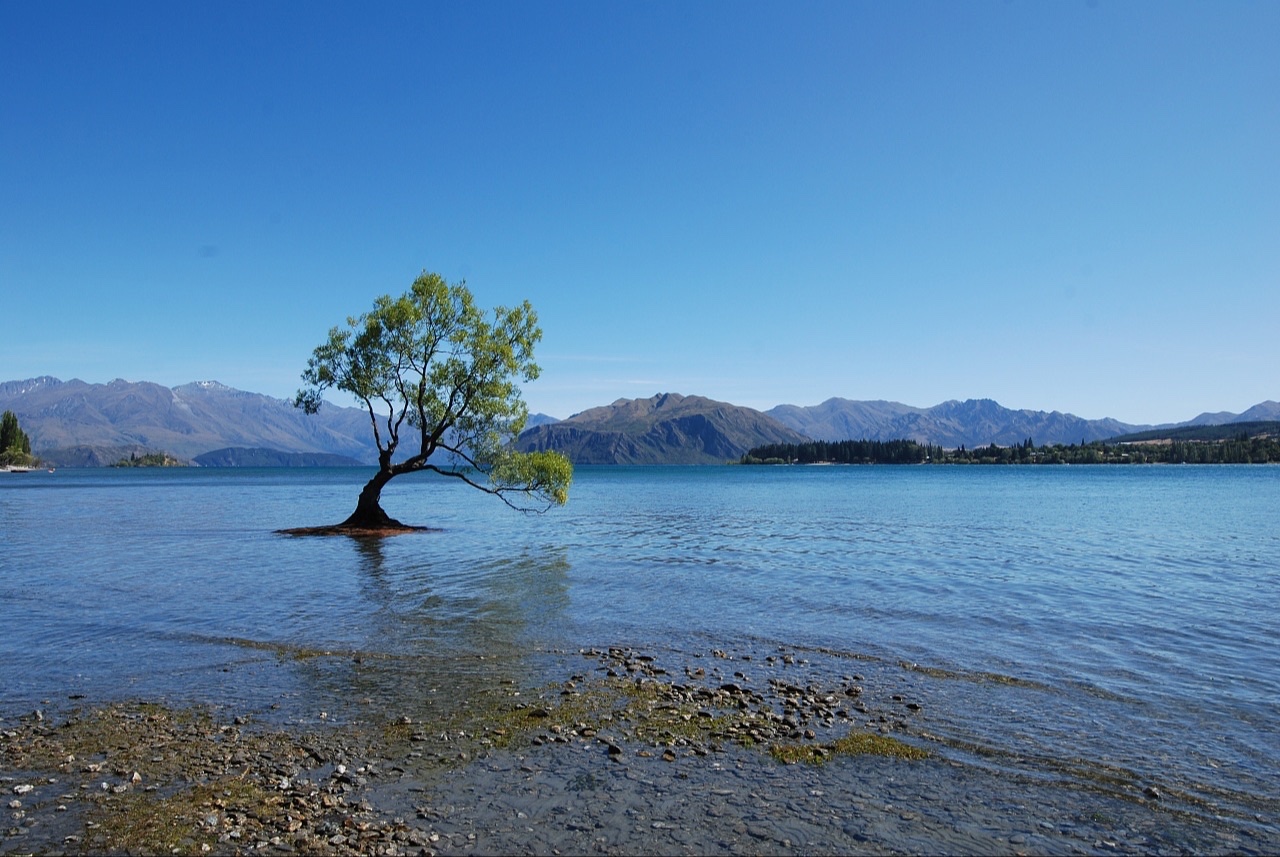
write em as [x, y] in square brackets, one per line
[1078, 622]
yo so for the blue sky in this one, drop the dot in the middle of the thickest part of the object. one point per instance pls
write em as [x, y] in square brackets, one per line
[1063, 206]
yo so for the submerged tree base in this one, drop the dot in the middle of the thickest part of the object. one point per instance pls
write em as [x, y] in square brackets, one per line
[394, 528]
[367, 521]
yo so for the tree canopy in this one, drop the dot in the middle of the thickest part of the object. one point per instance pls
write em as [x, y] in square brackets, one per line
[440, 381]
[15, 446]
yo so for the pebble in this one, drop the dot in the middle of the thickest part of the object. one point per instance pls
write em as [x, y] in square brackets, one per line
[672, 799]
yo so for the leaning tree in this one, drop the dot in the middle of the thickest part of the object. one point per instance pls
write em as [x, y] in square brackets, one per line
[437, 373]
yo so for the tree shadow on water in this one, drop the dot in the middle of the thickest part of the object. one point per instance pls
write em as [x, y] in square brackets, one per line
[443, 629]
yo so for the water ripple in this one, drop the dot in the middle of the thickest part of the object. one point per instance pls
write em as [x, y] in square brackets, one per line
[1120, 616]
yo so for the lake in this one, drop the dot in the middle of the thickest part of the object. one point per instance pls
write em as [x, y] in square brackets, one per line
[1098, 630]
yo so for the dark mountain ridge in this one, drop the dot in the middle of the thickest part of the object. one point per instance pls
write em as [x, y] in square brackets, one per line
[1234, 430]
[665, 429]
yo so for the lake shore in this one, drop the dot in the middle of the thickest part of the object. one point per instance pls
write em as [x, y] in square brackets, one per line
[726, 753]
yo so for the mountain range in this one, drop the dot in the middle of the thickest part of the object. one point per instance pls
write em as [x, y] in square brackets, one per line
[975, 422]
[73, 423]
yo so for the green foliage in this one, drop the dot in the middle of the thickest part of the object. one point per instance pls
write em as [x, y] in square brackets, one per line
[149, 459]
[843, 452]
[11, 434]
[439, 376]
[15, 446]
[1236, 449]
[546, 473]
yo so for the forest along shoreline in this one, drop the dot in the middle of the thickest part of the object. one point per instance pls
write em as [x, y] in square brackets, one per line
[619, 756]
[1200, 445]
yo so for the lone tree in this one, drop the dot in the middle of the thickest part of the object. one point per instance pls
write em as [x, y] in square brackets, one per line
[434, 371]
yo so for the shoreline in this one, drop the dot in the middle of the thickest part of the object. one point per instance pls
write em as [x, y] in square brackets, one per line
[618, 756]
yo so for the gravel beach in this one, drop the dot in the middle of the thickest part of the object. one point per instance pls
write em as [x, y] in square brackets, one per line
[622, 755]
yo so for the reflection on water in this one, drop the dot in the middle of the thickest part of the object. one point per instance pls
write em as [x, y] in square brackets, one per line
[439, 631]
[1127, 609]
[174, 585]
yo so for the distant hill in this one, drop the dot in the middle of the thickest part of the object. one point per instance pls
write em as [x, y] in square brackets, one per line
[1206, 432]
[974, 422]
[539, 420]
[73, 419]
[666, 429]
[844, 419]
[1262, 412]
[90, 456]
[258, 457]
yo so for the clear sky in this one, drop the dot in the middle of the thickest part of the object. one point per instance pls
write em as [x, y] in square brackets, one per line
[1059, 205]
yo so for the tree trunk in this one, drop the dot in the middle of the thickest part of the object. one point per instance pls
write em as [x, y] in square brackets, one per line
[368, 514]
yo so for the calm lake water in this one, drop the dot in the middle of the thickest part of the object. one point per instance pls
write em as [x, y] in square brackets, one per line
[1100, 627]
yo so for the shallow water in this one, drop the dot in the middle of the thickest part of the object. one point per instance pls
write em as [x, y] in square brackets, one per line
[1096, 631]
